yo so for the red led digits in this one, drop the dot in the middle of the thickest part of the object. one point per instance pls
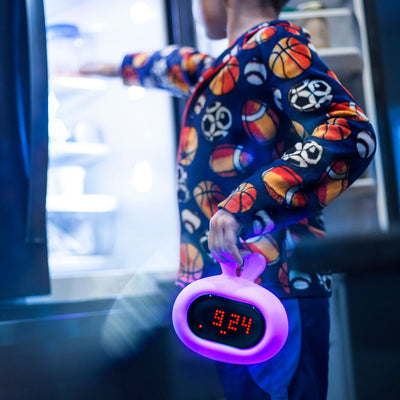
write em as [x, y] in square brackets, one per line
[233, 322]
[218, 317]
[247, 325]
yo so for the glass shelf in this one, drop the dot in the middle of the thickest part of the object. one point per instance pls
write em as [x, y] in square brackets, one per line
[88, 203]
[325, 13]
[76, 153]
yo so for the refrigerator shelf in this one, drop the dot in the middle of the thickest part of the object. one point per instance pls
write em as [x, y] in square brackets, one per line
[324, 13]
[76, 153]
[345, 61]
[87, 203]
[66, 83]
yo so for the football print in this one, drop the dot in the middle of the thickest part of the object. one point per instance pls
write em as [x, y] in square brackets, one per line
[259, 121]
[216, 121]
[278, 98]
[347, 109]
[229, 160]
[255, 72]
[284, 185]
[365, 144]
[310, 95]
[333, 182]
[265, 245]
[191, 220]
[300, 130]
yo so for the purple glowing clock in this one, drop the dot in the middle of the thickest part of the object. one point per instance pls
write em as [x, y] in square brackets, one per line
[230, 318]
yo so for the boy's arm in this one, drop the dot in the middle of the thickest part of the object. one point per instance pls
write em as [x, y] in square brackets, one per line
[335, 144]
[176, 69]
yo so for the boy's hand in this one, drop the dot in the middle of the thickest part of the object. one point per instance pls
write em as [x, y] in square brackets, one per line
[100, 68]
[222, 240]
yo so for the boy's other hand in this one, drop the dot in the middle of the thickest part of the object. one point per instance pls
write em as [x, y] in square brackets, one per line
[223, 237]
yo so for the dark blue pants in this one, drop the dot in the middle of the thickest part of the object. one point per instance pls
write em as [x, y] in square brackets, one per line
[299, 371]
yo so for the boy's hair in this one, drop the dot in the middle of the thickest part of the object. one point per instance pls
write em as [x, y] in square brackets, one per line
[276, 4]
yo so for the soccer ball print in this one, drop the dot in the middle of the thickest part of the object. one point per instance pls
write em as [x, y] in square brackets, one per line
[304, 154]
[310, 95]
[216, 121]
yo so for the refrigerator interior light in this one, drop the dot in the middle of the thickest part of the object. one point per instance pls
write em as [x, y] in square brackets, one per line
[77, 82]
[140, 12]
[136, 93]
[142, 178]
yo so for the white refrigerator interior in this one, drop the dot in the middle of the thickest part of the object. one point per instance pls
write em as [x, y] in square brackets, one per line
[111, 199]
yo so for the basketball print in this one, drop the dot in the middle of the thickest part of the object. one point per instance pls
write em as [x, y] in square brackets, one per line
[208, 195]
[284, 186]
[226, 78]
[333, 182]
[347, 109]
[187, 146]
[228, 160]
[289, 27]
[261, 36]
[265, 245]
[255, 72]
[365, 144]
[242, 199]
[334, 129]
[290, 58]
[259, 121]
[191, 264]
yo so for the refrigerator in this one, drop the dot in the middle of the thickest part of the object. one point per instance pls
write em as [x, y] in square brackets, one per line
[111, 176]
[87, 165]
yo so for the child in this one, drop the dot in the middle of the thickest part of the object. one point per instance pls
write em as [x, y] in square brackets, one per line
[268, 139]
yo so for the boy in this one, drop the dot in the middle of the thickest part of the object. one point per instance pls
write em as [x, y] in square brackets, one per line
[269, 138]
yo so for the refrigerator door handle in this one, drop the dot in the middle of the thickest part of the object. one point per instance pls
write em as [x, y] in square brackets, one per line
[33, 122]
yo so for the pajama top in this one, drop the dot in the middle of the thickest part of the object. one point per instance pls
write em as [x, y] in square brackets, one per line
[270, 135]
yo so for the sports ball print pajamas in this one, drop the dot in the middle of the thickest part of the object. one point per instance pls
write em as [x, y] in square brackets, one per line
[270, 135]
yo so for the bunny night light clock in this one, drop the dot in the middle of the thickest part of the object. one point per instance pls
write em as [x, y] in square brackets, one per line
[230, 318]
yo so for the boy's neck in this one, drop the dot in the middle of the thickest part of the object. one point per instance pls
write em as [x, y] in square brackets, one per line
[241, 18]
